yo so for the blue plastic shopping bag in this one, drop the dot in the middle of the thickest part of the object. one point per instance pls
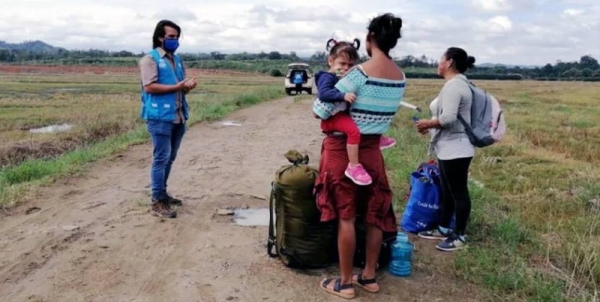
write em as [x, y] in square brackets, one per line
[423, 208]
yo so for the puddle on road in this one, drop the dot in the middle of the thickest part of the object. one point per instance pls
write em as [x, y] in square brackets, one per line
[251, 217]
[229, 123]
[52, 129]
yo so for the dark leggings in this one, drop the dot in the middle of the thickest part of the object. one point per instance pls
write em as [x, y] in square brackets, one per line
[455, 193]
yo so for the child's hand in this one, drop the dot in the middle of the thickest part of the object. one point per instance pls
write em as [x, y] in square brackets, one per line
[350, 97]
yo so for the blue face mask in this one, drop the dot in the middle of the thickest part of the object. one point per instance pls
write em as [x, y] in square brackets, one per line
[171, 45]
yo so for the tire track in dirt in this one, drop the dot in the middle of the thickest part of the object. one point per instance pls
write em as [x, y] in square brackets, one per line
[93, 239]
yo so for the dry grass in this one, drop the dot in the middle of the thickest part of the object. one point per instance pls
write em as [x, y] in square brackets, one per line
[99, 106]
[533, 233]
[104, 110]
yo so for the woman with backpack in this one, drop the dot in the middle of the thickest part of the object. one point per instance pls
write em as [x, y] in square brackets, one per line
[452, 147]
[379, 88]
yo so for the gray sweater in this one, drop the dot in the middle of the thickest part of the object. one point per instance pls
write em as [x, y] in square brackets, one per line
[451, 141]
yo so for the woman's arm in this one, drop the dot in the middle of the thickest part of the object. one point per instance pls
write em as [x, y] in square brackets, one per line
[449, 99]
[424, 125]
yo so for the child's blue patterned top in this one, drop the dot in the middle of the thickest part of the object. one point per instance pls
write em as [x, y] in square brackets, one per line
[377, 100]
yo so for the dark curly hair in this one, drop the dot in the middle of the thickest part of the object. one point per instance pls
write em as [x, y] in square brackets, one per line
[385, 30]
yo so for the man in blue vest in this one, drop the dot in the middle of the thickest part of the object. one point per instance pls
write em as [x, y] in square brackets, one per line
[165, 110]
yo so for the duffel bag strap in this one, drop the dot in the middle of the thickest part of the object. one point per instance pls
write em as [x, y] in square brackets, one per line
[272, 239]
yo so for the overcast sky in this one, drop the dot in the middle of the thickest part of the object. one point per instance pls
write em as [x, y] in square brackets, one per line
[499, 31]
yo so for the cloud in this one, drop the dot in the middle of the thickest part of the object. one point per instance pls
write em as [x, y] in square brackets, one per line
[301, 14]
[491, 5]
[499, 31]
[503, 6]
[567, 13]
[499, 24]
[176, 15]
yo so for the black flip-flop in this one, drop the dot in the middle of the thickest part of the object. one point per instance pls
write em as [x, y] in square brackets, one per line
[338, 288]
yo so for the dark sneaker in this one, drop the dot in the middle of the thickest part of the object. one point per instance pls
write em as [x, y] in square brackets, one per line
[173, 201]
[435, 234]
[161, 209]
[451, 244]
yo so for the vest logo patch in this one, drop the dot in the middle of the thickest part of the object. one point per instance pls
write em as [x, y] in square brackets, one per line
[162, 64]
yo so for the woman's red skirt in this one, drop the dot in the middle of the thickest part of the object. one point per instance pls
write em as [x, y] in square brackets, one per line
[339, 197]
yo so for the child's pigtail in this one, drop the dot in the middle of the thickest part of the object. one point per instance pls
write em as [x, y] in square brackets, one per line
[330, 44]
[356, 44]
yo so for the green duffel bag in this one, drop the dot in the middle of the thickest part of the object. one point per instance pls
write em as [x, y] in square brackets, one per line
[299, 237]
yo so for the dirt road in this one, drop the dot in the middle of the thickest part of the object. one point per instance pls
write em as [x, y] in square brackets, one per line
[92, 238]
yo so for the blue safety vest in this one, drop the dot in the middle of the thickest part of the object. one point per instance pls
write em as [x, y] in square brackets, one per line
[163, 106]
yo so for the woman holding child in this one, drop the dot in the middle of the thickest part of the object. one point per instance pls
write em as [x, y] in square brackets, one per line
[352, 171]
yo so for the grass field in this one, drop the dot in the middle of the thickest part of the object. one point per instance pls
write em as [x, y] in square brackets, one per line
[104, 111]
[535, 227]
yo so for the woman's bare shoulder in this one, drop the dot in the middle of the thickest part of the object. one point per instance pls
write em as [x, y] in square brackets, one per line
[383, 70]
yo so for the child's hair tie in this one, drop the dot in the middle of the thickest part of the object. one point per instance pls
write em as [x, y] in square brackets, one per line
[330, 44]
[356, 44]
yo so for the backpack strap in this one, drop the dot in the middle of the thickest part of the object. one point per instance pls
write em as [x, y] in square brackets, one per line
[272, 242]
[467, 127]
[272, 239]
[460, 118]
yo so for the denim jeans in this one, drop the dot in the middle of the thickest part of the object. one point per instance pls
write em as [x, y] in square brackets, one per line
[166, 138]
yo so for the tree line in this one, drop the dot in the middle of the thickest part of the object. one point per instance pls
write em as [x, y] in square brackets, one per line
[275, 63]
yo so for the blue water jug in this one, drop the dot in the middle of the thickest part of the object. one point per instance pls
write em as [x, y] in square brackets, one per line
[401, 264]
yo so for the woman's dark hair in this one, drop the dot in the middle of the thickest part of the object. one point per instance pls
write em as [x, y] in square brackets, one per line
[460, 60]
[336, 48]
[385, 30]
[159, 32]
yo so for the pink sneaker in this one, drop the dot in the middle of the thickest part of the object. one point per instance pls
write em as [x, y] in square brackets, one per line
[386, 142]
[358, 175]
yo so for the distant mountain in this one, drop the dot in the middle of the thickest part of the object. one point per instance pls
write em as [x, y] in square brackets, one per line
[492, 65]
[33, 46]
